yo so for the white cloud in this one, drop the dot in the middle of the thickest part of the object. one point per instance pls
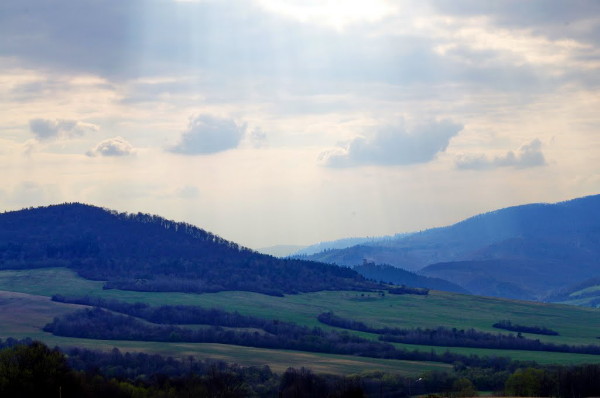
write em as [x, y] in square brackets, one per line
[46, 129]
[395, 145]
[208, 134]
[334, 13]
[117, 146]
[528, 155]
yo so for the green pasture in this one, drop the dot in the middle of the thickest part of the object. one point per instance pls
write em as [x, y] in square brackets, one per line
[24, 315]
[576, 325]
[589, 289]
[590, 293]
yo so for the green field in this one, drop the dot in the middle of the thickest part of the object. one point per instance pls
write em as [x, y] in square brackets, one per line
[25, 312]
[590, 289]
[583, 297]
[24, 315]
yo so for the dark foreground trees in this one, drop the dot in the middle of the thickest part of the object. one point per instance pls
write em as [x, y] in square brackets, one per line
[31, 369]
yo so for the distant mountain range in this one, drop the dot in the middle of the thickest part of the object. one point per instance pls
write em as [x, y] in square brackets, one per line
[399, 276]
[346, 242]
[536, 251]
[280, 250]
[149, 253]
[523, 252]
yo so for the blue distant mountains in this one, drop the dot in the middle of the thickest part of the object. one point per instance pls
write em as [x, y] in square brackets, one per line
[524, 252]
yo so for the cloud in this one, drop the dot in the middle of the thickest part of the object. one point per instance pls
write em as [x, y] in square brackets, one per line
[116, 146]
[46, 129]
[533, 13]
[257, 138]
[208, 134]
[187, 192]
[183, 40]
[528, 155]
[395, 145]
[337, 14]
[30, 193]
[71, 37]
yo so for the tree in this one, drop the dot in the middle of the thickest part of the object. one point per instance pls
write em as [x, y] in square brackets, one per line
[524, 383]
[463, 387]
[33, 371]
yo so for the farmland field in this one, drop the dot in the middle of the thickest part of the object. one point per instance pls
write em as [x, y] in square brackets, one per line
[27, 292]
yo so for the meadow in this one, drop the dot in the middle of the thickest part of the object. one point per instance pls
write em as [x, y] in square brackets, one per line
[25, 307]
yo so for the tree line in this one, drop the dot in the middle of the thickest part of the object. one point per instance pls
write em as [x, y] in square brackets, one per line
[170, 314]
[31, 369]
[452, 337]
[508, 325]
[97, 323]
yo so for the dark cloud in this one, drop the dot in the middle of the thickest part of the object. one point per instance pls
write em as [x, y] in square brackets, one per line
[528, 155]
[86, 35]
[208, 134]
[395, 145]
[232, 39]
[45, 129]
[555, 19]
[117, 146]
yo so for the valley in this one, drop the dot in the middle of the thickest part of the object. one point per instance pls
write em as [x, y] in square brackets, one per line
[80, 277]
[27, 293]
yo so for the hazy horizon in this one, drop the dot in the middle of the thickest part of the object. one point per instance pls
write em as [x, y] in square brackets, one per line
[292, 123]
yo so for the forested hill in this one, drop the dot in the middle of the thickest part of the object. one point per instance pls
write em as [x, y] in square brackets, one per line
[149, 253]
[518, 252]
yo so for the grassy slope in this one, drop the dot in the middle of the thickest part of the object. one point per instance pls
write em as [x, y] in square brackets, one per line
[576, 325]
[576, 299]
[23, 315]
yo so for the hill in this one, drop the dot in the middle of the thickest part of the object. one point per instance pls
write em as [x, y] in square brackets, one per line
[399, 276]
[344, 243]
[280, 250]
[586, 293]
[148, 253]
[518, 252]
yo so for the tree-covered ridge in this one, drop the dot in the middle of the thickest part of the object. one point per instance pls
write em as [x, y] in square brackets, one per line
[149, 253]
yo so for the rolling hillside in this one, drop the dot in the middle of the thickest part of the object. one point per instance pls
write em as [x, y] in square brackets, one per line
[519, 252]
[136, 269]
[28, 292]
[399, 276]
[149, 253]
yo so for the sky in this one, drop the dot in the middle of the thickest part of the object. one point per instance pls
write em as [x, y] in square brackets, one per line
[297, 121]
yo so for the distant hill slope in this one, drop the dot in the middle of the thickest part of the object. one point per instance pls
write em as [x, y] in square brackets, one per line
[344, 243]
[586, 293]
[399, 276]
[518, 252]
[149, 253]
[280, 250]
